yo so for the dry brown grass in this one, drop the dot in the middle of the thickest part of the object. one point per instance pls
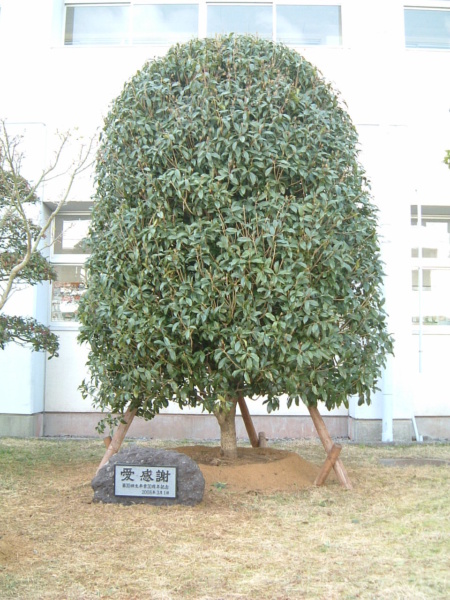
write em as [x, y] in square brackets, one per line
[388, 538]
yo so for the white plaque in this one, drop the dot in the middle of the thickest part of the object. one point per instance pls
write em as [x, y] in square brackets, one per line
[143, 480]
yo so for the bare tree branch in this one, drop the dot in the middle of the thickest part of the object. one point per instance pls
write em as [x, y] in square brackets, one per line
[21, 236]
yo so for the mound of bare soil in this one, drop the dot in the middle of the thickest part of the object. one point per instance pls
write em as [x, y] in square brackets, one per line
[256, 469]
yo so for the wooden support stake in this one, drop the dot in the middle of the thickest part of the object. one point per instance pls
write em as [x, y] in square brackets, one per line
[118, 436]
[107, 441]
[253, 436]
[328, 464]
[327, 443]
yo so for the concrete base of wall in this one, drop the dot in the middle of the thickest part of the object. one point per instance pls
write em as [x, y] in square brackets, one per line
[370, 430]
[21, 425]
[434, 427]
[193, 427]
[204, 427]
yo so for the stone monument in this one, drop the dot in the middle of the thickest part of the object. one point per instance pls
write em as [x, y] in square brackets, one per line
[138, 475]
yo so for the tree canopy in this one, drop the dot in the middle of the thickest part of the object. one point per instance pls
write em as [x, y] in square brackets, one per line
[234, 242]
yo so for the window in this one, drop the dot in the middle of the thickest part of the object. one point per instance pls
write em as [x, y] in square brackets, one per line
[129, 23]
[67, 291]
[433, 238]
[87, 25]
[68, 253]
[164, 23]
[427, 28]
[70, 230]
[240, 18]
[431, 265]
[309, 25]
[140, 22]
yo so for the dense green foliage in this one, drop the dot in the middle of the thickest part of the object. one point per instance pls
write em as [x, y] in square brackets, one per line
[234, 244]
[26, 331]
[18, 264]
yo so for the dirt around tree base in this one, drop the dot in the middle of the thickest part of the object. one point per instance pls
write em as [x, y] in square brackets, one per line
[256, 469]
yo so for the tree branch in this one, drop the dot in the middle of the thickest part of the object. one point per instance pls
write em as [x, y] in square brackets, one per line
[21, 238]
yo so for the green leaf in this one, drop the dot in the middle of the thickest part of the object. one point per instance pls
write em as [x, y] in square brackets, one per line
[233, 244]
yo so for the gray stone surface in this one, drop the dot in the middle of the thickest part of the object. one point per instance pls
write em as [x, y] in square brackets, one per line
[190, 481]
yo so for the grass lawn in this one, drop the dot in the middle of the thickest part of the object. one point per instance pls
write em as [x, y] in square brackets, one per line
[388, 538]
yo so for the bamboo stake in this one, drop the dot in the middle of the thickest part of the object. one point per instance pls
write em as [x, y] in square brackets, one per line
[327, 443]
[253, 436]
[328, 464]
[118, 436]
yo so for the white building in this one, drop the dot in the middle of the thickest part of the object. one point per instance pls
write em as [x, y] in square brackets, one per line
[61, 65]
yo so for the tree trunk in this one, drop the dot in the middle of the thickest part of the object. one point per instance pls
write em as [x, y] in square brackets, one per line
[118, 437]
[227, 422]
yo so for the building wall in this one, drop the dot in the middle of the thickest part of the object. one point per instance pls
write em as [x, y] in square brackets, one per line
[399, 101]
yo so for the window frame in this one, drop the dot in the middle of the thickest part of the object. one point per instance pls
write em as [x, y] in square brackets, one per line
[67, 257]
[419, 263]
[209, 3]
[71, 209]
[438, 6]
[202, 18]
[338, 5]
[127, 29]
[62, 324]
